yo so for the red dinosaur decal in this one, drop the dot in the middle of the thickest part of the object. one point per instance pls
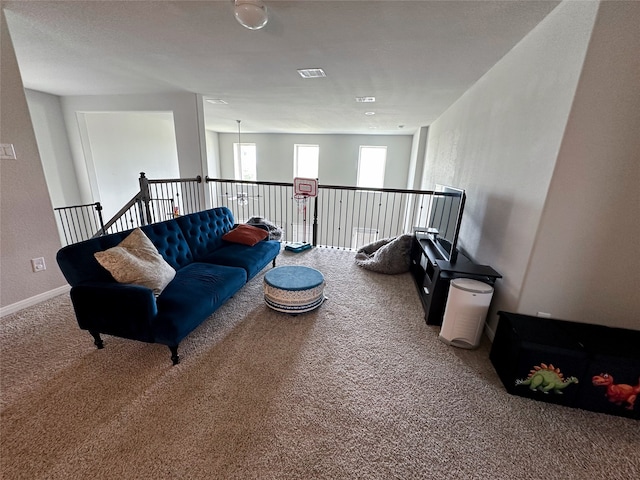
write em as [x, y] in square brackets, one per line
[620, 393]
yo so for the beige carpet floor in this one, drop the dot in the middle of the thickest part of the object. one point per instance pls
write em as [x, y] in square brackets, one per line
[360, 388]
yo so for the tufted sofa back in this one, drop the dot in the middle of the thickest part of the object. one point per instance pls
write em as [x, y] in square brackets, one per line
[180, 241]
[204, 230]
[170, 242]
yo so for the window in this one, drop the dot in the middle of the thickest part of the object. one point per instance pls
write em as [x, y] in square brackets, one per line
[371, 166]
[244, 161]
[305, 160]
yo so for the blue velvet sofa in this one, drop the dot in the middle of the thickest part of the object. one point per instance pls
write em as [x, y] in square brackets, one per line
[209, 270]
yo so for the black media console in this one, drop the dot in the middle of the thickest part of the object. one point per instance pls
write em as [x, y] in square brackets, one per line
[433, 274]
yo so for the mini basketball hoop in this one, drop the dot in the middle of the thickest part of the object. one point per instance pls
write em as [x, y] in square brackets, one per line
[301, 200]
[305, 186]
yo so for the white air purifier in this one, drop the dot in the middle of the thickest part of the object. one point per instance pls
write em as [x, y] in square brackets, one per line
[465, 312]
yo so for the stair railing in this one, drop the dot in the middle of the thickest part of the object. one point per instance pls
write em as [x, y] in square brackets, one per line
[339, 217]
[80, 222]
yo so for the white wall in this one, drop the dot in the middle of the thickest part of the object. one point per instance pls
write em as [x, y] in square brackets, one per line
[27, 226]
[418, 154]
[188, 124]
[53, 144]
[338, 162]
[213, 154]
[123, 144]
[500, 142]
[585, 265]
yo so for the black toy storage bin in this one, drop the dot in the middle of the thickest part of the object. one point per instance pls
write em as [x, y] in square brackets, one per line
[525, 351]
[612, 378]
[605, 362]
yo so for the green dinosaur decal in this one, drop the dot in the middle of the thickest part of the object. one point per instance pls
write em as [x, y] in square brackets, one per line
[546, 378]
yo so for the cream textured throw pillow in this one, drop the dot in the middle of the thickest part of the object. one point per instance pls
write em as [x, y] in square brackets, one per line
[137, 260]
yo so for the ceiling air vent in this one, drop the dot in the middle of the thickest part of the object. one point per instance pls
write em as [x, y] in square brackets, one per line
[365, 99]
[311, 73]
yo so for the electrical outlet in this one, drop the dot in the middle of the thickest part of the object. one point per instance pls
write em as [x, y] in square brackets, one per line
[544, 315]
[7, 152]
[38, 265]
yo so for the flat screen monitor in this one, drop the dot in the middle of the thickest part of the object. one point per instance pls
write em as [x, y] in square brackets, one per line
[445, 216]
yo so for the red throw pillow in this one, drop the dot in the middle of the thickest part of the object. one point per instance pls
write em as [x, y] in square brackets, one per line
[246, 235]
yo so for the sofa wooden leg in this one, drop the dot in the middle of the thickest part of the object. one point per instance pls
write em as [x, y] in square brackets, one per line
[274, 262]
[97, 340]
[175, 358]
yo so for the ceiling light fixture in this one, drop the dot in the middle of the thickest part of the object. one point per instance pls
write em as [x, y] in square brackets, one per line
[369, 113]
[251, 14]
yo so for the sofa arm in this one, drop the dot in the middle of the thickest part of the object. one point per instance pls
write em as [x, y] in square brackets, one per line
[123, 310]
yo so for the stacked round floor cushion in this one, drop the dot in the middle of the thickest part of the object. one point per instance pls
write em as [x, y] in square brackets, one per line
[293, 289]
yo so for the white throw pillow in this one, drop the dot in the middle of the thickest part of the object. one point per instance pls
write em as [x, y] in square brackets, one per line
[137, 260]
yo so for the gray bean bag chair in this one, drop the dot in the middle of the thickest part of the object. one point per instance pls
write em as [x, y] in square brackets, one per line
[389, 255]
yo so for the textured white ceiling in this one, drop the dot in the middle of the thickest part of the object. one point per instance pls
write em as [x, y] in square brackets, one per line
[415, 57]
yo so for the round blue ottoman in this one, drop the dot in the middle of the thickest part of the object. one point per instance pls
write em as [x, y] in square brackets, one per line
[293, 289]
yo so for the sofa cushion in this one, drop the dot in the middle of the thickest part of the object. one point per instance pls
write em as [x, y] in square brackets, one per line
[136, 260]
[196, 291]
[204, 230]
[245, 235]
[252, 259]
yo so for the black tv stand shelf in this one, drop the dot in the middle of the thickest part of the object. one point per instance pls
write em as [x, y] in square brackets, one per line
[432, 274]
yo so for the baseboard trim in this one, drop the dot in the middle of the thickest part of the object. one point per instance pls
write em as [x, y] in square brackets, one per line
[31, 301]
